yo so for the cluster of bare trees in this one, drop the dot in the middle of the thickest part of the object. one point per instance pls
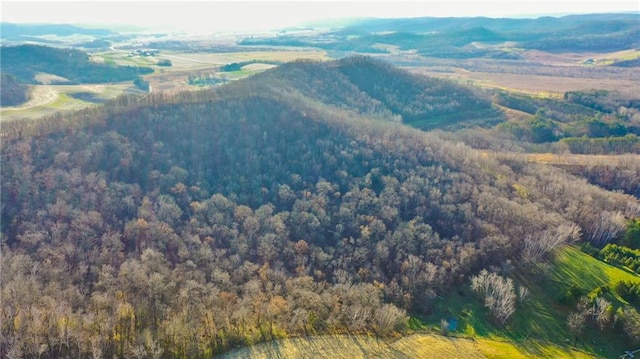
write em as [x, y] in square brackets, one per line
[597, 312]
[539, 245]
[500, 294]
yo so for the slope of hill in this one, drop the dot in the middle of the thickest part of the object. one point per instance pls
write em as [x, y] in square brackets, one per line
[185, 226]
[380, 90]
[26, 61]
[13, 92]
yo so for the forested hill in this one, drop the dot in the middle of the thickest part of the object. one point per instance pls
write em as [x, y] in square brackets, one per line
[377, 89]
[182, 227]
[11, 91]
[26, 61]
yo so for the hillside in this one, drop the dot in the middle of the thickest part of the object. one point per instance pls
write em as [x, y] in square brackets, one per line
[567, 262]
[13, 92]
[356, 84]
[26, 61]
[413, 346]
[188, 225]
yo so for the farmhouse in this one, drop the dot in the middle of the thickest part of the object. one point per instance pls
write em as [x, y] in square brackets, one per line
[144, 52]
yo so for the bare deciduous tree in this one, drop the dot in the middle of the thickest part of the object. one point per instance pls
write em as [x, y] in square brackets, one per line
[536, 246]
[389, 319]
[607, 227]
[576, 322]
[498, 292]
[631, 325]
[602, 312]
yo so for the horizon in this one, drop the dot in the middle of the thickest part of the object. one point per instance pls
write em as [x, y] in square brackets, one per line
[239, 16]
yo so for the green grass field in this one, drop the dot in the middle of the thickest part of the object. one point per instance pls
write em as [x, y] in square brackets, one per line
[540, 319]
[121, 58]
[421, 345]
[575, 267]
[51, 98]
[538, 330]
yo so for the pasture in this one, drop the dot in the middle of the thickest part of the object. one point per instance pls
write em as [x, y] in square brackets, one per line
[419, 345]
[47, 99]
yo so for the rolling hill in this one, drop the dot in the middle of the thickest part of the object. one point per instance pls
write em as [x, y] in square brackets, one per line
[26, 61]
[291, 203]
[377, 89]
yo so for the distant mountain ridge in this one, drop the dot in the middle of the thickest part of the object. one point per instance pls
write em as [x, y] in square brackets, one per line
[444, 24]
[21, 32]
[454, 37]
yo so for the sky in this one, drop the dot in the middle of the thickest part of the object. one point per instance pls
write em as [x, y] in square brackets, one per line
[225, 16]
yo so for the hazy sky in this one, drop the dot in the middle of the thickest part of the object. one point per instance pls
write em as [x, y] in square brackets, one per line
[207, 16]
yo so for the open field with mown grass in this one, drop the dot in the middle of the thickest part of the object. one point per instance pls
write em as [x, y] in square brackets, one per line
[610, 58]
[47, 99]
[540, 320]
[420, 345]
[120, 58]
[572, 266]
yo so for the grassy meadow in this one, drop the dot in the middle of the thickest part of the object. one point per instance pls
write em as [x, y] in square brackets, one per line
[420, 345]
[538, 330]
[47, 99]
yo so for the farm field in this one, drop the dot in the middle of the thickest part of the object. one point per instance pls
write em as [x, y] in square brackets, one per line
[541, 73]
[580, 159]
[47, 99]
[174, 79]
[203, 60]
[571, 59]
[568, 158]
[533, 84]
